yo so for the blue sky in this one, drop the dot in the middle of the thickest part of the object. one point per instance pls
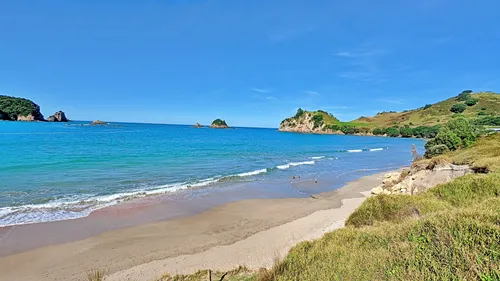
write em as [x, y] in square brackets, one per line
[252, 63]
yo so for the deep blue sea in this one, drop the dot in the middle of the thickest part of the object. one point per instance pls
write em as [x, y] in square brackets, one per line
[55, 171]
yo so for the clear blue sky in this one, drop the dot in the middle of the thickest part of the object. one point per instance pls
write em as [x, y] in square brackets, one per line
[252, 63]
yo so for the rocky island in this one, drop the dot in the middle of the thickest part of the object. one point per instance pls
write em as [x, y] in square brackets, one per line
[219, 124]
[21, 109]
[98, 122]
[58, 117]
[197, 125]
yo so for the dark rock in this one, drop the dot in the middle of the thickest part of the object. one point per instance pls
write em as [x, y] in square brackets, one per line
[198, 125]
[58, 117]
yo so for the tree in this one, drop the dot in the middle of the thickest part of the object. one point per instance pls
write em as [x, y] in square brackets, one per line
[378, 131]
[464, 95]
[458, 108]
[427, 106]
[393, 132]
[299, 113]
[471, 102]
[436, 150]
[463, 129]
[406, 132]
[349, 130]
[446, 137]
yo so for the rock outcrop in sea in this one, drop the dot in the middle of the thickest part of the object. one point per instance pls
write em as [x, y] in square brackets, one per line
[98, 122]
[219, 124]
[197, 125]
[58, 117]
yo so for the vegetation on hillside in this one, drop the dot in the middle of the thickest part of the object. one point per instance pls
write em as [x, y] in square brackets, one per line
[425, 122]
[11, 108]
[219, 123]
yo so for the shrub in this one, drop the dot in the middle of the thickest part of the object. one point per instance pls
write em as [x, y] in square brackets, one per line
[427, 106]
[333, 127]
[463, 96]
[318, 120]
[483, 108]
[471, 102]
[455, 115]
[458, 108]
[379, 131]
[446, 137]
[463, 129]
[393, 132]
[406, 132]
[299, 113]
[436, 150]
[482, 113]
[488, 120]
[349, 130]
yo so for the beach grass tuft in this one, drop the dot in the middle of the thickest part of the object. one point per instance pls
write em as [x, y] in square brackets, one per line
[96, 275]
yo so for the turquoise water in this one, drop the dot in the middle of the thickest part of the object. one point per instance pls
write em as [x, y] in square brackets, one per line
[54, 171]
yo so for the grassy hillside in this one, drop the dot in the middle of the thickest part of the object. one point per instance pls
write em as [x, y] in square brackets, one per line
[438, 113]
[483, 108]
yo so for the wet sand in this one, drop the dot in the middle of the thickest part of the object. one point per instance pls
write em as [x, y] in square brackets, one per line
[248, 232]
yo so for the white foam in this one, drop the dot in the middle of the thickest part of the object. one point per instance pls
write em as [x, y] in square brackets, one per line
[376, 149]
[301, 163]
[253, 173]
[283, 167]
[317, 157]
[354, 150]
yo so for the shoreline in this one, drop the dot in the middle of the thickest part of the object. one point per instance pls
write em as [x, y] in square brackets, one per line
[221, 227]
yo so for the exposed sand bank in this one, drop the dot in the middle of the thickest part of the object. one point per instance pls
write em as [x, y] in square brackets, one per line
[250, 232]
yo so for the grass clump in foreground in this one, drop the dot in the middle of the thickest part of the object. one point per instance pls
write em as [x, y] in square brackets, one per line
[451, 232]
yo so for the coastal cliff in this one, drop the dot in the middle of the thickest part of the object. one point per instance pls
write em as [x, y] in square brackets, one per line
[19, 109]
[320, 122]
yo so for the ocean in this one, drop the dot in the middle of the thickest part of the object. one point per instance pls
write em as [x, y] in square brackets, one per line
[57, 171]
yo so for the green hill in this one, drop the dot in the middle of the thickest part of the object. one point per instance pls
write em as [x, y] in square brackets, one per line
[483, 108]
[487, 104]
[12, 108]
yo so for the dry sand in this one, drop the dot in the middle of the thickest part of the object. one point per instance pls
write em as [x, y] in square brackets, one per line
[250, 232]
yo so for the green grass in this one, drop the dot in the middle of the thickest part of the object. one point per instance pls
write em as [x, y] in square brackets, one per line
[438, 113]
[483, 155]
[454, 235]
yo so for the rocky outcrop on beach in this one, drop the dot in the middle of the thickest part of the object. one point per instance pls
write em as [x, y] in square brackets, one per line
[97, 123]
[419, 178]
[319, 122]
[219, 124]
[58, 117]
[197, 125]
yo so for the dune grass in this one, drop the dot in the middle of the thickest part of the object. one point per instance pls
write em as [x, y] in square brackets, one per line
[451, 232]
[483, 155]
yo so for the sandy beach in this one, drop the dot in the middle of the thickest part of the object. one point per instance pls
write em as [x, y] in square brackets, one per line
[249, 232]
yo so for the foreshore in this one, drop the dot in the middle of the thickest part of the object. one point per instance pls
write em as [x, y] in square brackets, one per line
[249, 232]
